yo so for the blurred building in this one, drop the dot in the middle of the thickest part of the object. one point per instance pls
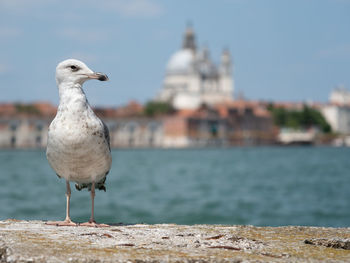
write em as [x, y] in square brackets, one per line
[25, 126]
[129, 127]
[248, 123]
[338, 117]
[192, 78]
[195, 128]
[234, 123]
[135, 132]
[237, 123]
[23, 132]
[340, 96]
[200, 91]
[289, 136]
[337, 112]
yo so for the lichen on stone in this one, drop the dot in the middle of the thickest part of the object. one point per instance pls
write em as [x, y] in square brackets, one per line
[24, 241]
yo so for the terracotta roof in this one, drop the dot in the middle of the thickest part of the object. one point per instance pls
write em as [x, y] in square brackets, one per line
[45, 108]
[258, 108]
[7, 109]
[133, 108]
[261, 112]
[186, 113]
[289, 105]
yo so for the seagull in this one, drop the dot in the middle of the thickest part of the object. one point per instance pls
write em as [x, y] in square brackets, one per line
[78, 144]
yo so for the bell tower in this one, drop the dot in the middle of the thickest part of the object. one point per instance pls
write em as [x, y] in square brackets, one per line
[189, 41]
[225, 71]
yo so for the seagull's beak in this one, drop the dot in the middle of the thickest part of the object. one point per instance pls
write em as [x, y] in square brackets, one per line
[98, 75]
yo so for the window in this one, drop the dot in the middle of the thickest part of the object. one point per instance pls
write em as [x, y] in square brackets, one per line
[13, 141]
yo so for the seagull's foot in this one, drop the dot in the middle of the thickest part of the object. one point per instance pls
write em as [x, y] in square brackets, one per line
[93, 224]
[66, 222]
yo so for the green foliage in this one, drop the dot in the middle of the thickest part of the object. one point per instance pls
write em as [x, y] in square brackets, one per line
[29, 109]
[154, 108]
[303, 119]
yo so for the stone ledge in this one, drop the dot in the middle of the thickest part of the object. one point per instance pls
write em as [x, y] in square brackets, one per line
[33, 241]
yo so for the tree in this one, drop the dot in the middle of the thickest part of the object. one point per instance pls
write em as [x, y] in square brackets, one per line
[27, 108]
[302, 119]
[154, 108]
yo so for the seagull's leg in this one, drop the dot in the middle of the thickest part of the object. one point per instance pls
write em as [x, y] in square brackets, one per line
[67, 221]
[92, 221]
[68, 193]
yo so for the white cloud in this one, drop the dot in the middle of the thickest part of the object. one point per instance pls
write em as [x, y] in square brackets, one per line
[8, 32]
[4, 68]
[87, 58]
[128, 8]
[135, 8]
[84, 35]
[341, 1]
[22, 5]
[340, 51]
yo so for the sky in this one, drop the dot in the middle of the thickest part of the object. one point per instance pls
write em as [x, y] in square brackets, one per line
[282, 50]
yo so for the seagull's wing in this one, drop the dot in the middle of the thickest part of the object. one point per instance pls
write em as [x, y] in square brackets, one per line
[106, 134]
[101, 184]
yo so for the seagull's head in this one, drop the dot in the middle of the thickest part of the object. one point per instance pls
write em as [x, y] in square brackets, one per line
[76, 72]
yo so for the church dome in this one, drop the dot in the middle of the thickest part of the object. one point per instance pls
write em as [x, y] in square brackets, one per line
[181, 62]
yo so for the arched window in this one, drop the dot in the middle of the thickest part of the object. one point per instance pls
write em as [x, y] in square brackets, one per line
[131, 128]
[13, 126]
[152, 129]
[13, 141]
[39, 126]
[38, 140]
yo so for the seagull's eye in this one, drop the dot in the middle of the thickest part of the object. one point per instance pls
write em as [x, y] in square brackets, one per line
[74, 68]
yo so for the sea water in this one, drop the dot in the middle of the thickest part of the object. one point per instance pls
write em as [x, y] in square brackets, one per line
[262, 186]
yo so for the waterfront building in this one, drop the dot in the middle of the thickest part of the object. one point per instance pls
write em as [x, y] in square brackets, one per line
[338, 117]
[23, 132]
[25, 125]
[132, 132]
[337, 112]
[238, 123]
[235, 123]
[248, 123]
[288, 136]
[200, 91]
[130, 128]
[195, 128]
[340, 96]
[192, 78]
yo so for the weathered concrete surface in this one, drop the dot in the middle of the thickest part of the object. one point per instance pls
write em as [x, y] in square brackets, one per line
[33, 241]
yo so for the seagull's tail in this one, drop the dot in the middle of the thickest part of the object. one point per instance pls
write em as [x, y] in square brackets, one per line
[99, 185]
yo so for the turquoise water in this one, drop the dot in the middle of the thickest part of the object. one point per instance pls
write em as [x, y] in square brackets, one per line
[269, 186]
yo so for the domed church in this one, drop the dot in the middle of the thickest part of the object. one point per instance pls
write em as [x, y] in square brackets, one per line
[191, 77]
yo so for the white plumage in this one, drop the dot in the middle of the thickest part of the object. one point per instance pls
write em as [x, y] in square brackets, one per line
[78, 146]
